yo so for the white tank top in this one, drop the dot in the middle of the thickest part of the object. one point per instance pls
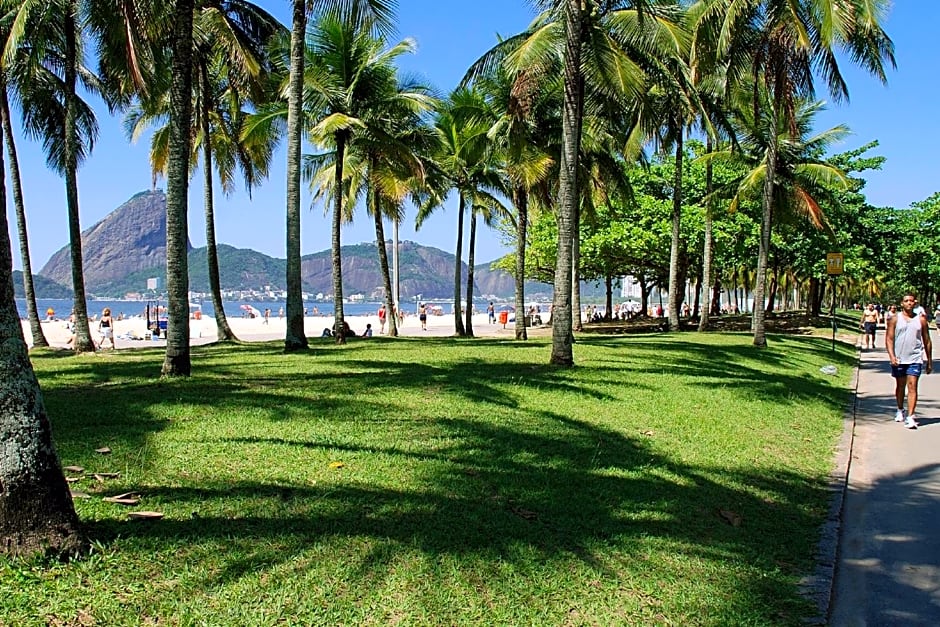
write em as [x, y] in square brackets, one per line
[908, 343]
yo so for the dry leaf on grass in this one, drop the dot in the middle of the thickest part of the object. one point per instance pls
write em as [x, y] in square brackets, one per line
[527, 514]
[336, 464]
[73, 479]
[73, 469]
[128, 498]
[732, 518]
[79, 495]
[104, 450]
[145, 515]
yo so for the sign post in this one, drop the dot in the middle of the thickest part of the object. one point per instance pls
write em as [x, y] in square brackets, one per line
[834, 267]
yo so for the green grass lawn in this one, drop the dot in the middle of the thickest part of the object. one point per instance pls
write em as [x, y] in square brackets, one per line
[440, 481]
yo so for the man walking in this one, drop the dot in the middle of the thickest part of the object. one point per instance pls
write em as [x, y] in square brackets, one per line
[869, 324]
[907, 339]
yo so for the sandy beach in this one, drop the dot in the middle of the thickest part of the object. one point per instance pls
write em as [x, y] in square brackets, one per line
[255, 330]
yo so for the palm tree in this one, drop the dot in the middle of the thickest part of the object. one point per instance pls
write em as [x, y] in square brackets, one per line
[524, 105]
[603, 49]
[803, 180]
[229, 64]
[376, 13]
[464, 162]
[32, 313]
[48, 38]
[349, 71]
[177, 361]
[784, 44]
[37, 516]
[384, 164]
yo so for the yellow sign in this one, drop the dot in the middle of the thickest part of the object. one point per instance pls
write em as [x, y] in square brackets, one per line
[834, 263]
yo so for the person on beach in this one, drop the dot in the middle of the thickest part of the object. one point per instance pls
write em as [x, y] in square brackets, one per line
[50, 314]
[267, 315]
[907, 339]
[423, 316]
[368, 331]
[869, 324]
[106, 328]
[491, 313]
[280, 313]
[381, 313]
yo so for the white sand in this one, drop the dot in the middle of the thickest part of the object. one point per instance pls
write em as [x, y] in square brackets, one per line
[254, 330]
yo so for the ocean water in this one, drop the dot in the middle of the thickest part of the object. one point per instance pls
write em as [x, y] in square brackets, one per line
[235, 309]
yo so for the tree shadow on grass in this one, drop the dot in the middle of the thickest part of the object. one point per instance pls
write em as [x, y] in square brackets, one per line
[505, 479]
[580, 494]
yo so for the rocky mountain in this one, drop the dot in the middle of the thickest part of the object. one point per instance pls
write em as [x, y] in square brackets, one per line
[128, 247]
[130, 238]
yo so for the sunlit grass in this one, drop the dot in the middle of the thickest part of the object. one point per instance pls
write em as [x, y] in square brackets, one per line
[438, 481]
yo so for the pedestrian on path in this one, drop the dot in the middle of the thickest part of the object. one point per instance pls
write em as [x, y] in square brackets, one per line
[907, 339]
[869, 324]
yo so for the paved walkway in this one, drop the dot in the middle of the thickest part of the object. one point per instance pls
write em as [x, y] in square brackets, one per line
[888, 563]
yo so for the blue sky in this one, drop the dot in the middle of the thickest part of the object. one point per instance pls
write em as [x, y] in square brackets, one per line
[451, 35]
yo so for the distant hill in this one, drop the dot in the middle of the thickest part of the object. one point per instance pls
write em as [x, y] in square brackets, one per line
[128, 247]
[43, 287]
[130, 238]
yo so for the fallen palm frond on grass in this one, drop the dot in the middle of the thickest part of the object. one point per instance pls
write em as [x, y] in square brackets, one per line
[667, 479]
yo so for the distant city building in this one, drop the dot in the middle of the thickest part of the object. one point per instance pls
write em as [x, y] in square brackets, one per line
[153, 283]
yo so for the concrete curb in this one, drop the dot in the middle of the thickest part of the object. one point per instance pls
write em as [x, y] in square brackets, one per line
[819, 585]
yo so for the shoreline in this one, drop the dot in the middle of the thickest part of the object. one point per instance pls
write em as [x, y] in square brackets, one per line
[203, 331]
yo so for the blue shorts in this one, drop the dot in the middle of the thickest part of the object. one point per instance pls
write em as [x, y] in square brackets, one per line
[906, 370]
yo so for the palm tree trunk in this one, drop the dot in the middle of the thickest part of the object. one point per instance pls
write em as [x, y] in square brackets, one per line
[471, 249]
[295, 338]
[521, 201]
[224, 333]
[83, 342]
[458, 321]
[674, 296]
[577, 323]
[562, 335]
[37, 516]
[177, 361]
[383, 261]
[772, 292]
[336, 241]
[763, 252]
[707, 246]
[396, 300]
[32, 312]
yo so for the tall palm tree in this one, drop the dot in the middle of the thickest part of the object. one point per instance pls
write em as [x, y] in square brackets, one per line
[524, 106]
[384, 164]
[349, 70]
[32, 313]
[177, 361]
[37, 516]
[803, 180]
[49, 38]
[603, 49]
[463, 162]
[785, 44]
[376, 13]
[228, 56]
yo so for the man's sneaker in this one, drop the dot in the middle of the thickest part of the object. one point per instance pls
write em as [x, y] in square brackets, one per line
[910, 423]
[899, 417]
